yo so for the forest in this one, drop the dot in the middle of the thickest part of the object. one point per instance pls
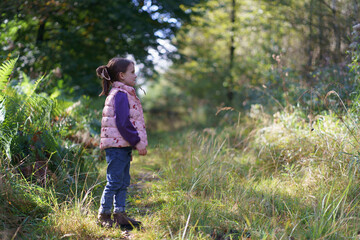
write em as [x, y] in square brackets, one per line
[251, 107]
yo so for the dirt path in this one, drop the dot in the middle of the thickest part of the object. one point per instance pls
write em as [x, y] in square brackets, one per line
[142, 179]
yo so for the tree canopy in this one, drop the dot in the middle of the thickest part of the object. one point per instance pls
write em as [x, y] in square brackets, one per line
[74, 37]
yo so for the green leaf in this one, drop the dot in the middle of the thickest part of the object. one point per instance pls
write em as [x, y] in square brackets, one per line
[5, 71]
[2, 111]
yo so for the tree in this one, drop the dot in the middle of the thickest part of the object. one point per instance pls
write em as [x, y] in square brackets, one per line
[224, 49]
[77, 36]
[226, 52]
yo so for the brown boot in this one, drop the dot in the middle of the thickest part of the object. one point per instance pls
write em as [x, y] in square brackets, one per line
[104, 219]
[122, 220]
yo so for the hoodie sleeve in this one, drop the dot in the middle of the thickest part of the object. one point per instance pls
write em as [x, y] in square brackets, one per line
[122, 118]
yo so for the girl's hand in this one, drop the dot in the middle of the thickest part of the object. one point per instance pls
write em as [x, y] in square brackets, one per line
[142, 152]
[141, 148]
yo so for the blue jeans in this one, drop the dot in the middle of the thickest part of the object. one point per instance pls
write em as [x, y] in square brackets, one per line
[118, 179]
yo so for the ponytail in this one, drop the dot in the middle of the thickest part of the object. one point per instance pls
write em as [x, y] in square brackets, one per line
[102, 73]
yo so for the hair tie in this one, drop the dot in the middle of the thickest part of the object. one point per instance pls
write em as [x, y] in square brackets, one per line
[104, 74]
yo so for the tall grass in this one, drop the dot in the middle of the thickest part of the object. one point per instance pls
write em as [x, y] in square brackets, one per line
[259, 176]
[287, 179]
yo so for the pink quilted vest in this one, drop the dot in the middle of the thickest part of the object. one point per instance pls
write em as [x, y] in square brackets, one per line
[110, 135]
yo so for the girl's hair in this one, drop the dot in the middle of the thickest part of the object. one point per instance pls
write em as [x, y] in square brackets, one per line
[109, 73]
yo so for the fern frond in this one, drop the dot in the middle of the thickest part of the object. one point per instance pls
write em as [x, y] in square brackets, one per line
[2, 111]
[5, 71]
[29, 96]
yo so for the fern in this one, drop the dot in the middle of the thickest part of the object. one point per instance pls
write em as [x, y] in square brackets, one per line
[2, 111]
[29, 95]
[5, 70]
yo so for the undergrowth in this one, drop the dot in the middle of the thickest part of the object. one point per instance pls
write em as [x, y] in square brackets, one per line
[260, 176]
[285, 180]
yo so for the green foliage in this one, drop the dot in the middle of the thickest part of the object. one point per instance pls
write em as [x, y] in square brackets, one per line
[284, 53]
[30, 129]
[28, 123]
[354, 51]
[39, 158]
[72, 38]
[292, 174]
[260, 175]
[5, 70]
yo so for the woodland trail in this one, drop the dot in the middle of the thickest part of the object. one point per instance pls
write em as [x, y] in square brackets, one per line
[143, 180]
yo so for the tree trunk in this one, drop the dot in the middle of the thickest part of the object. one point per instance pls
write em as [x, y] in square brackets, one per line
[337, 33]
[232, 50]
[310, 49]
[321, 42]
[41, 32]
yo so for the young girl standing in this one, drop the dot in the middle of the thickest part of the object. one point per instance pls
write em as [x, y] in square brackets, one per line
[122, 129]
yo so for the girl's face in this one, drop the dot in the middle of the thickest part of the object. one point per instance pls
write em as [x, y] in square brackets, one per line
[129, 77]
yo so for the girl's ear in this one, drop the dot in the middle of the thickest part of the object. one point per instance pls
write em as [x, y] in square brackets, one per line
[121, 75]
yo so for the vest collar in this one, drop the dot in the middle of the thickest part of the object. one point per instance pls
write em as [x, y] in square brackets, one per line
[123, 86]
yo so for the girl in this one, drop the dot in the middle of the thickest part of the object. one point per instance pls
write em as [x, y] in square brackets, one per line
[122, 129]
